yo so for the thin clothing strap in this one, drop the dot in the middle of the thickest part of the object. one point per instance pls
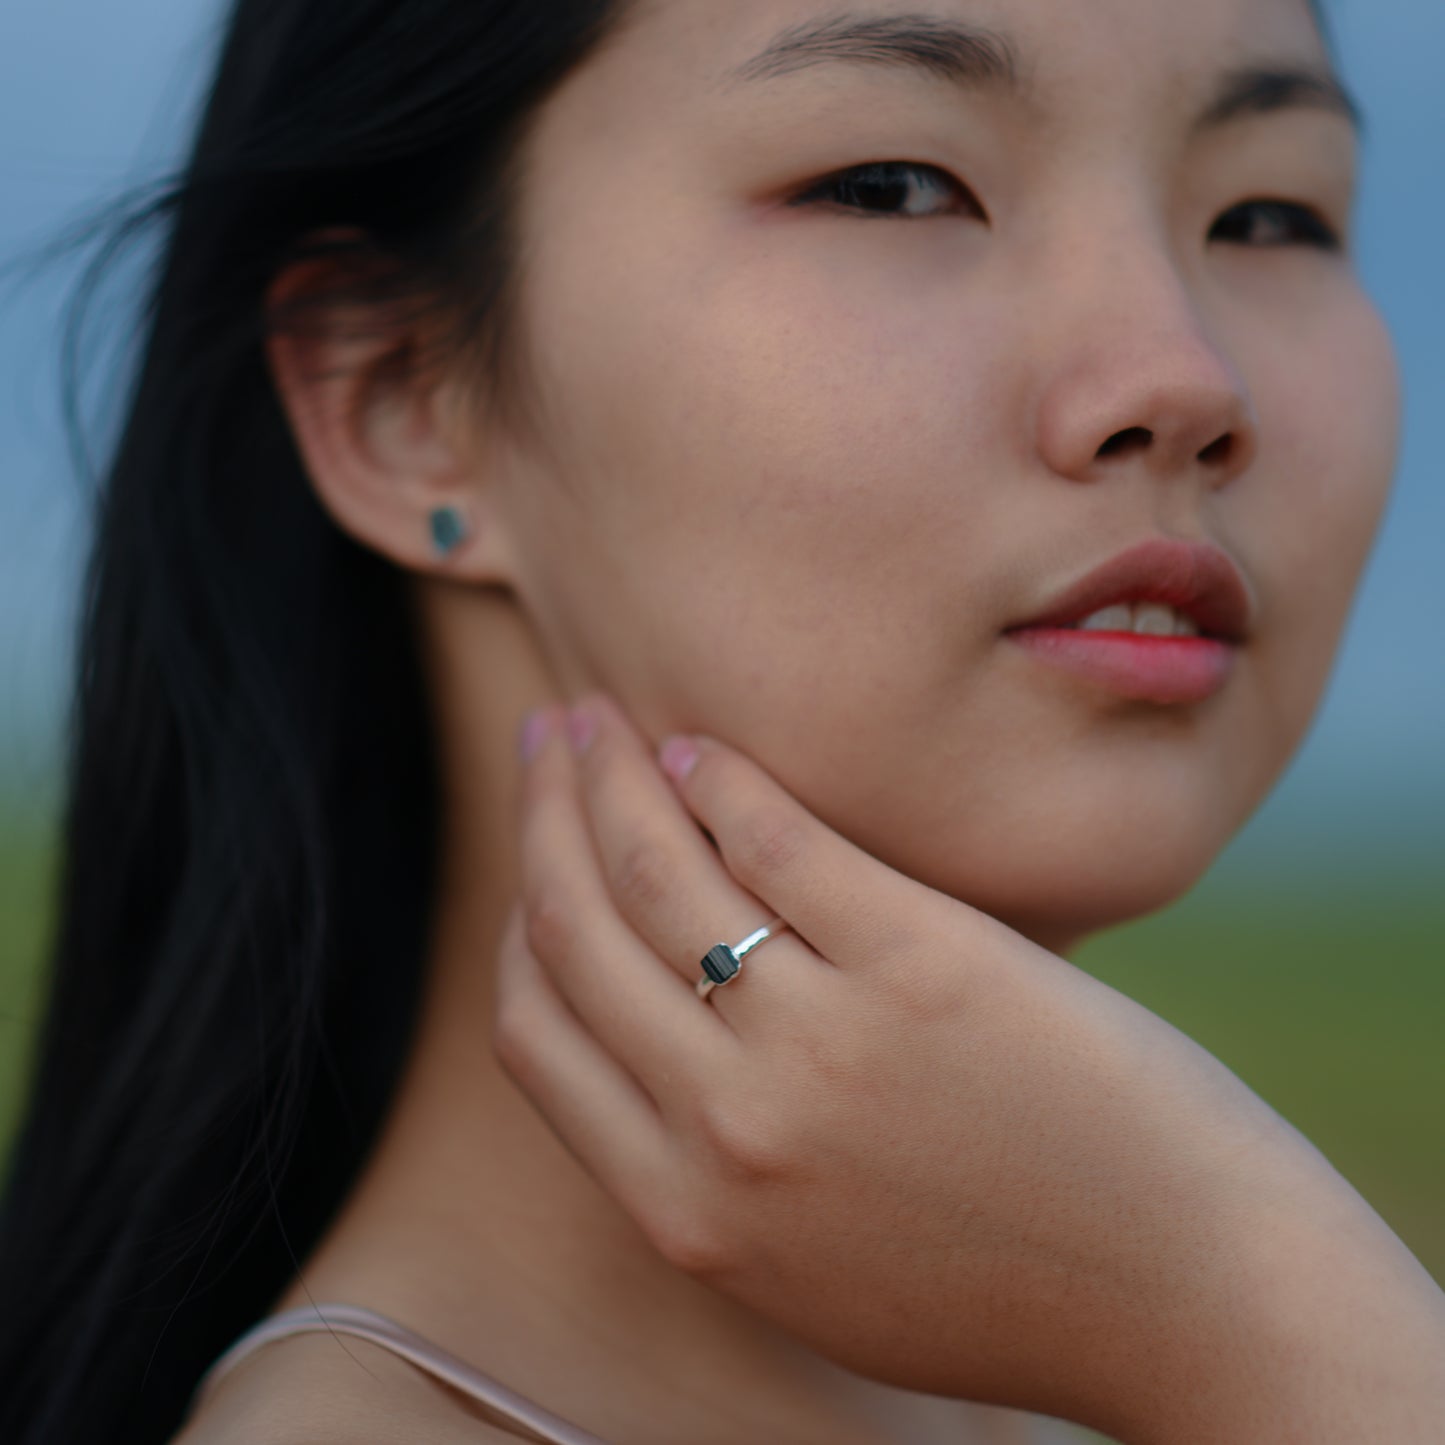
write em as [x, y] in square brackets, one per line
[368, 1325]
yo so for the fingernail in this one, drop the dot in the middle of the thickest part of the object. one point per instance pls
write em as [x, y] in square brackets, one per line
[533, 734]
[678, 756]
[581, 727]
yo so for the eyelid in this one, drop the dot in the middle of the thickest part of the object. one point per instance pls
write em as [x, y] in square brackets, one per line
[808, 193]
[1326, 235]
[1322, 233]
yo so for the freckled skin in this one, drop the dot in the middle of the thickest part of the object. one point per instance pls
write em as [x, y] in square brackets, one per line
[814, 464]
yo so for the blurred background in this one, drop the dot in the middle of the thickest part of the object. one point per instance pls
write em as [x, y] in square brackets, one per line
[1309, 960]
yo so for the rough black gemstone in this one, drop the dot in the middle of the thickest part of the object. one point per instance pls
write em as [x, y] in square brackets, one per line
[720, 963]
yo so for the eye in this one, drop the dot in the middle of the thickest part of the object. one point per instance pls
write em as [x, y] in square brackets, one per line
[1276, 223]
[888, 189]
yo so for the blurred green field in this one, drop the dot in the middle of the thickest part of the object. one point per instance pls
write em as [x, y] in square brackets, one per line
[26, 866]
[1326, 996]
[27, 861]
[1328, 1000]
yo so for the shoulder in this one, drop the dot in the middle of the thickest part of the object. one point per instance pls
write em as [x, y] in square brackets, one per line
[314, 1389]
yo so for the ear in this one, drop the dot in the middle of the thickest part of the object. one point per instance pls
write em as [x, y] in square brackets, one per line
[384, 446]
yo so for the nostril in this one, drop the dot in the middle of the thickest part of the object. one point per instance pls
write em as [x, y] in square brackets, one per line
[1134, 436]
[1219, 449]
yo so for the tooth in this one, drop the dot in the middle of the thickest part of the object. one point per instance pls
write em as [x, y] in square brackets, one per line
[1185, 626]
[1118, 618]
[1154, 619]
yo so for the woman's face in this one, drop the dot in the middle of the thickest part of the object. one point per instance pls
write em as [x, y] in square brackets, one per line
[806, 461]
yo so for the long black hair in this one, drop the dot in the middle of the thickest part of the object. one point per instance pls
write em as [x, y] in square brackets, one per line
[251, 810]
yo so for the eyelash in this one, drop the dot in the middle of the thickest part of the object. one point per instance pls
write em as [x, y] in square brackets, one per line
[1308, 227]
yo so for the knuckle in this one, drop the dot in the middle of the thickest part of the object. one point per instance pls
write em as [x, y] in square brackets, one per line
[644, 876]
[506, 1041]
[921, 994]
[549, 930]
[687, 1241]
[910, 993]
[741, 1141]
[513, 1028]
[766, 842]
[518, 1014]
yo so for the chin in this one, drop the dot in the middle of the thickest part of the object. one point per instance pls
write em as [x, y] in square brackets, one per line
[1059, 853]
[1058, 894]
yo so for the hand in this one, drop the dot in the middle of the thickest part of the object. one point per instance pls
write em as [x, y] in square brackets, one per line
[941, 1155]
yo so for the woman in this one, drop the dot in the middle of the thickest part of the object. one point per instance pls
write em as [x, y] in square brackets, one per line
[789, 379]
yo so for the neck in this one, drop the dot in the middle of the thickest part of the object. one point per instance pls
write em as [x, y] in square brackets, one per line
[475, 1226]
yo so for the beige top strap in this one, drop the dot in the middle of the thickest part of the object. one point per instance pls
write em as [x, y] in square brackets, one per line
[368, 1325]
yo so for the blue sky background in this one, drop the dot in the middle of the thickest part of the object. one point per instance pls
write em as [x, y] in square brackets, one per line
[95, 95]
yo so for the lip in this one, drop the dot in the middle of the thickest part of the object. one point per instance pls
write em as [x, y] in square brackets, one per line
[1194, 577]
[1149, 669]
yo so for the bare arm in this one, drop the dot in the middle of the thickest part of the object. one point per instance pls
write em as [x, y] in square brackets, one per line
[1333, 1332]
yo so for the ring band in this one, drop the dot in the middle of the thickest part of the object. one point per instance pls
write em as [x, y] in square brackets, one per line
[721, 963]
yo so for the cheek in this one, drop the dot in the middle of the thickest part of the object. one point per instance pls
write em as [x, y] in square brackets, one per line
[767, 485]
[1331, 422]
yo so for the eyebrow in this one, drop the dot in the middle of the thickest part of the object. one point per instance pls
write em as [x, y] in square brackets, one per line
[972, 57]
[1257, 90]
[963, 54]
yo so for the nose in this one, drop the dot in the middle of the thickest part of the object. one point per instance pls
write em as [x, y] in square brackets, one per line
[1138, 383]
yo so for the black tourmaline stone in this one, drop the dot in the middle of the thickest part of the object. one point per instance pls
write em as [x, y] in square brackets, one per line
[720, 963]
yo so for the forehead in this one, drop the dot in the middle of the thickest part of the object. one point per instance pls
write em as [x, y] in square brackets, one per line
[719, 51]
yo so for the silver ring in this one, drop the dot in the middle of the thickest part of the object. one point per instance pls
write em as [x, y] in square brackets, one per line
[720, 964]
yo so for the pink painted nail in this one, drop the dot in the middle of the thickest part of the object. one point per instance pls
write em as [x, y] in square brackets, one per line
[678, 756]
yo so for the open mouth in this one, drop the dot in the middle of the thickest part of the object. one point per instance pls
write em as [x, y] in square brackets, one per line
[1162, 621]
[1142, 619]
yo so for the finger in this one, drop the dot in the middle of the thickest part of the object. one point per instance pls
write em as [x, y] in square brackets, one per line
[666, 880]
[637, 1008]
[848, 905]
[597, 1111]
